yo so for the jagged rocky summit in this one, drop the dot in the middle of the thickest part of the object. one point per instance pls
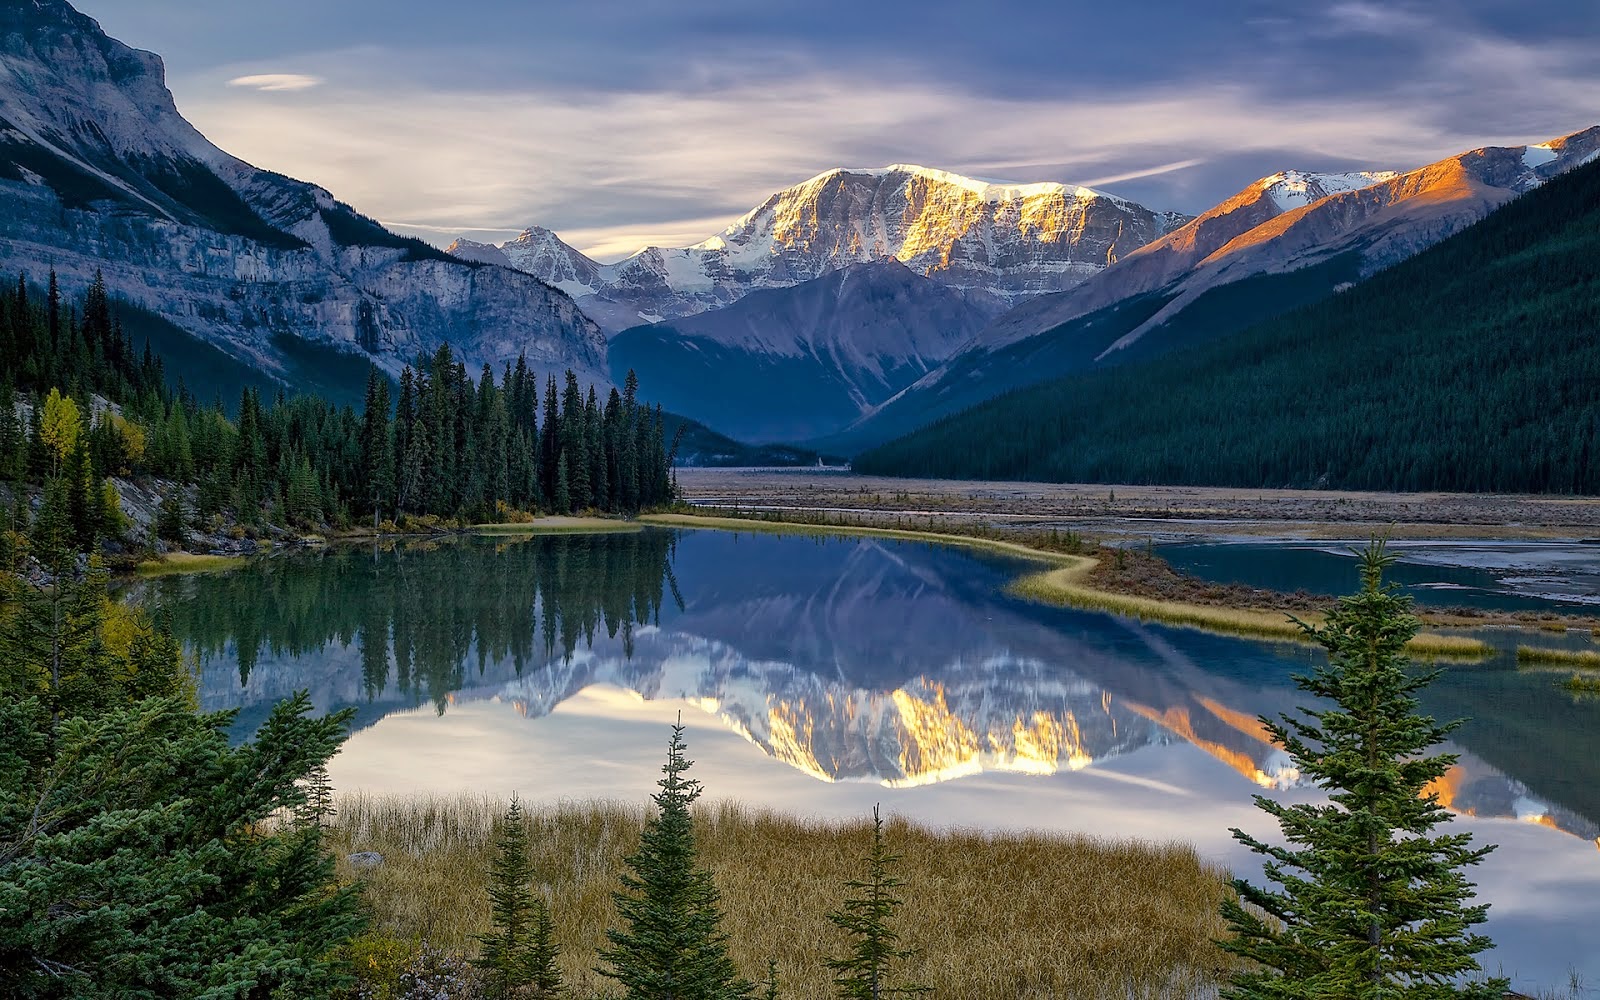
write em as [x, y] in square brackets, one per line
[100, 172]
[1010, 241]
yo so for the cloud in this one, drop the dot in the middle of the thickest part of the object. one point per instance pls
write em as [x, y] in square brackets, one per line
[1143, 172]
[276, 81]
[454, 139]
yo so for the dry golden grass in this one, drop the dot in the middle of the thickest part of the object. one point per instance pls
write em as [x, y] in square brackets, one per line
[188, 562]
[993, 916]
[1538, 655]
[1065, 586]
[862, 530]
[554, 525]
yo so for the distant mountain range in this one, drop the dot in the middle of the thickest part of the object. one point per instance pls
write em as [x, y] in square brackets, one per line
[754, 333]
[99, 172]
[1469, 367]
[1281, 243]
[842, 312]
[1010, 241]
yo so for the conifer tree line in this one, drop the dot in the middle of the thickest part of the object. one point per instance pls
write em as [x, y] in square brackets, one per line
[445, 442]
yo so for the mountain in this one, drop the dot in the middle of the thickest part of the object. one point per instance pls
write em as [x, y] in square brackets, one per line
[1470, 367]
[1281, 243]
[787, 364]
[1011, 241]
[99, 172]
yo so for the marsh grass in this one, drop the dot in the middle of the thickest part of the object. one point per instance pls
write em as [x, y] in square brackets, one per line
[1580, 684]
[188, 562]
[1013, 915]
[1586, 659]
[789, 527]
[558, 526]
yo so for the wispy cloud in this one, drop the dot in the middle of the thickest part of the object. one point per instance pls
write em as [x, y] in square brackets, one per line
[1133, 175]
[276, 81]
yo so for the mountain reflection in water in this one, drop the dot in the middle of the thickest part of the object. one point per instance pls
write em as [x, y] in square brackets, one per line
[849, 659]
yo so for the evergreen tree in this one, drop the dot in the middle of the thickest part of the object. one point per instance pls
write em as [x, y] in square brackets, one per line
[575, 443]
[1372, 905]
[562, 497]
[318, 808]
[672, 947]
[863, 973]
[550, 443]
[519, 955]
[628, 458]
[377, 447]
[171, 525]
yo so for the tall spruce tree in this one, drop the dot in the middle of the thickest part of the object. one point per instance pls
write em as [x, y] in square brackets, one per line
[518, 956]
[864, 971]
[672, 947]
[1372, 904]
[377, 444]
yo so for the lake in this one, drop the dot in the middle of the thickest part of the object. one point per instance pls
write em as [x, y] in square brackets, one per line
[822, 675]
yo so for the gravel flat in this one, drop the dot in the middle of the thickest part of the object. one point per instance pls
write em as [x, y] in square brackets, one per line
[1180, 511]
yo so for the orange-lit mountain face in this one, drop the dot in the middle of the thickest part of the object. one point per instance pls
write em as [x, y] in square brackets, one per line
[1011, 241]
[1291, 220]
[1283, 242]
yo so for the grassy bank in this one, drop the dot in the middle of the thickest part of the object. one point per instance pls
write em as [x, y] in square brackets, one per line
[1539, 656]
[1017, 915]
[188, 562]
[558, 526]
[1136, 584]
[782, 527]
[1072, 586]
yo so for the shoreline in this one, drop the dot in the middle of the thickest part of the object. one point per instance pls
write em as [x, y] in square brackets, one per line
[1066, 586]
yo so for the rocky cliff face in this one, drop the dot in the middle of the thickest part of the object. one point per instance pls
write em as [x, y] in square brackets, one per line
[1012, 241]
[99, 171]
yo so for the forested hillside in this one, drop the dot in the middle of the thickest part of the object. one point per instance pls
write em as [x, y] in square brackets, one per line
[1473, 366]
[79, 406]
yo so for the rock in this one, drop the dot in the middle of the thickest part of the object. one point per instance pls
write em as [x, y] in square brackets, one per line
[365, 859]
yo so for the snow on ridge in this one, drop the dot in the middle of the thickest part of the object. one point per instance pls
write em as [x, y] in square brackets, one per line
[1291, 189]
[1538, 155]
[991, 190]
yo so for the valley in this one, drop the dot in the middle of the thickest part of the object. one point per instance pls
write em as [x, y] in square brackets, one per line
[354, 568]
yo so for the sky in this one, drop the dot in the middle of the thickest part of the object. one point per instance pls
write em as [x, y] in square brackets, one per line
[625, 123]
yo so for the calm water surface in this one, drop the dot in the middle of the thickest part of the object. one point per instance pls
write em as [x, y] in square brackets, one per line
[820, 676]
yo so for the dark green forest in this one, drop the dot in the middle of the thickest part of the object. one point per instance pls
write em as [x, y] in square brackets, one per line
[1474, 366]
[446, 443]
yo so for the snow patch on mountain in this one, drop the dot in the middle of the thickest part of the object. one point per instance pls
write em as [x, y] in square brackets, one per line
[1294, 189]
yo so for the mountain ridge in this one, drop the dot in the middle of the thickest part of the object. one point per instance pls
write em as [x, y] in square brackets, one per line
[99, 172]
[1011, 240]
[1295, 250]
[797, 362]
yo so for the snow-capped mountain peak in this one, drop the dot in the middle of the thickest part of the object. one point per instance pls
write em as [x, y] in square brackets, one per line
[1011, 240]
